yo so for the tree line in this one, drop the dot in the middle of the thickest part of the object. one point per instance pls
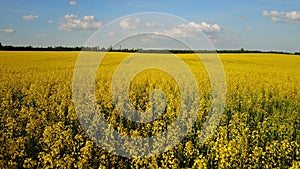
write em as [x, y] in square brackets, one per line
[111, 49]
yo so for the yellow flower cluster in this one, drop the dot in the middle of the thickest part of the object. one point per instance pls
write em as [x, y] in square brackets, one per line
[260, 127]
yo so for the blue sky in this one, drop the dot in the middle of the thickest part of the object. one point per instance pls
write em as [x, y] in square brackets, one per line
[230, 24]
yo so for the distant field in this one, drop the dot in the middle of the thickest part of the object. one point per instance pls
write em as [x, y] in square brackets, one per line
[260, 127]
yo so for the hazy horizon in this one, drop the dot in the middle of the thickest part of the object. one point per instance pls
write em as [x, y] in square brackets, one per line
[252, 25]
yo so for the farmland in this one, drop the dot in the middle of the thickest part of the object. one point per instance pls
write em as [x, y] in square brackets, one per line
[260, 127]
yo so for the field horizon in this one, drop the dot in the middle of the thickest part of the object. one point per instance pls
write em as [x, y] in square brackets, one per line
[132, 50]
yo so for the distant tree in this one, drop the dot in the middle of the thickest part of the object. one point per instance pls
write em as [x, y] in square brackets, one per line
[110, 48]
[242, 50]
[1, 46]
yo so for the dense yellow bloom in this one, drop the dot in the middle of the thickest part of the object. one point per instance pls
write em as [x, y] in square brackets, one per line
[260, 127]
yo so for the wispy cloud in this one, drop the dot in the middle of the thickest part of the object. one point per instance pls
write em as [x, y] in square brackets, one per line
[151, 24]
[73, 23]
[279, 16]
[7, 30]
[129, 23]
[50, 22]
[72, 2]
[192, 29]
[111, 34]
[30, 17]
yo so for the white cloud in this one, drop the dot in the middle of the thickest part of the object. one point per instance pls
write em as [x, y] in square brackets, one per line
[7, 30]
[153, 37]
[72, 2]
[41, 35]
[73, 23]
[277, 16]
[192, 29]
[50, 22]
[30, 17]
[129, 23]
[89, 18]
[151, 24]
